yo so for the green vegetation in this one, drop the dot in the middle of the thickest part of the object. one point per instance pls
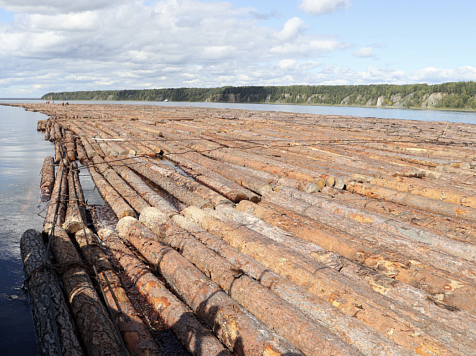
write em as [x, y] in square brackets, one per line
[455, 95]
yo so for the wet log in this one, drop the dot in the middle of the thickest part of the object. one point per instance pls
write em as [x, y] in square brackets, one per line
[56, 212]
[58, 152]
[47, 130]
[41, 125]
[110, 196]
[82, 155]
[187, 182]
[367, 340]
[135, 334]
[277, 314]
[212, 305]
[129, 194]
[141, 187]
[55, 330]
[169, 185]
[75, 216]
[193, 335]
[70, 146]
[95, 328]
[47, 178]
[342, 292]
[419, 202]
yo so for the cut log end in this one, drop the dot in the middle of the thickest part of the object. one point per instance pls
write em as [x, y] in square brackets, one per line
[320, 183]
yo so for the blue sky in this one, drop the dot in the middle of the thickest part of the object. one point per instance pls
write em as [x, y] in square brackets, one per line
[52, 45]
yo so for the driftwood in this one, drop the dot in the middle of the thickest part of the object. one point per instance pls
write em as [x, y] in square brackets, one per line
[193, 335]
[212, 305]
[55, 330]
[47, 178]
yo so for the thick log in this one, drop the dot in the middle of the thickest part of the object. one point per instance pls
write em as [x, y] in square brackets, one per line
[169, 185]
[280, 316]
[110, 196]
[47, 178]
[75, 213]
[70, 146]
[141, 187]
[82, 154]
[193, 335]
[367, 340]
[450, 246]
[419, 202]
[129, 194]
[245, 335]
[339, 290]
[135, 334]
[95, 328]
[56, 212]
[55, 330]
[187, 182]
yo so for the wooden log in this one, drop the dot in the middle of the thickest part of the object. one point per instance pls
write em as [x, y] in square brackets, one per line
[110, 196]
[187, 182]
[55, 330]
[169, 185]
[450, 246]
[419, 202]
[58, 155]
[47, 178]
[129, 194]
[135, 334]
[82, 155]
[70, 146]
[47, 130]
[367, 340]
[56, 212]
[245, 335]
[327, 284]
[75, 216]
[142, 188]
[193, 335]
[277, 314]
[95, 328]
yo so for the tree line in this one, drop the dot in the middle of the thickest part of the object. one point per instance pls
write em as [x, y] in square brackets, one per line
[457, 95]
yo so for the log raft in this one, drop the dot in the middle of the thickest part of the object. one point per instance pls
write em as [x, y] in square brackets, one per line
[350, 236]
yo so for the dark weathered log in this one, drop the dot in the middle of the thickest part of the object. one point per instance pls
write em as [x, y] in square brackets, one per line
[342, 292]
[97, 331]
[110, 196]
[134, 333]
[245, 335]
[141, 187]
[193, 335]
[56, 212]
[129, 194]
[280, 316]
[54, 326]
[169, 185]
[47, 178]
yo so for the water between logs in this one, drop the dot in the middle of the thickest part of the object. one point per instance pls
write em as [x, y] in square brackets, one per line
[23, 150]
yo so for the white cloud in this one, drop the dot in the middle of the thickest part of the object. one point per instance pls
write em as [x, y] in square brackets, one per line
[292, 28]
[364, 52]
[58, 6]
[321, 7]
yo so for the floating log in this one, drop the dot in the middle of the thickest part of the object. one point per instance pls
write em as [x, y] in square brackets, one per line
[280, 316]
[56, 212]
[193, 335]
[95, 328]
[213, 306]
[75, 216]
[55, 330]
[82, 155]
[135, 334]
[47, 178]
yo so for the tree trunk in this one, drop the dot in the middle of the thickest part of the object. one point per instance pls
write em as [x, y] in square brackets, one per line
[47, 178]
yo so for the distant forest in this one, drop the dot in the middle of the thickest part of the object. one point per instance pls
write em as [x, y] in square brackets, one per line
[454, 95]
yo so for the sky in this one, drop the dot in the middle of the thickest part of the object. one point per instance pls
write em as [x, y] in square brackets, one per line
[56, 45]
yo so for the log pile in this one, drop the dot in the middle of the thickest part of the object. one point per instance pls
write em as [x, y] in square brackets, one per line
[267, 234]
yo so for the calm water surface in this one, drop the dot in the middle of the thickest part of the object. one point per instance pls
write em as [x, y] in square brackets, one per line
[22, 150]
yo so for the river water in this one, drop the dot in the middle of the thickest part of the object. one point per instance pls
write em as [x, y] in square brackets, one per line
[22, 150]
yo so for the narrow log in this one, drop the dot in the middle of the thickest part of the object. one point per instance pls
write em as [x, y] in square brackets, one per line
[82, 155]
[141, 187]
[193, 335]
[214, 307]
[47, 178]
[56, 212]
[58, 155]
[169, 186]
[129, 194]
[70, 146]
[96, 329]
[135, 334]
[277, 314]
[343, 293]
[55, 330]
[110, 196]
[75, 213]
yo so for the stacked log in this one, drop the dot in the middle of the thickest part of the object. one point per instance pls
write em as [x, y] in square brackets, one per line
[47, 178]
